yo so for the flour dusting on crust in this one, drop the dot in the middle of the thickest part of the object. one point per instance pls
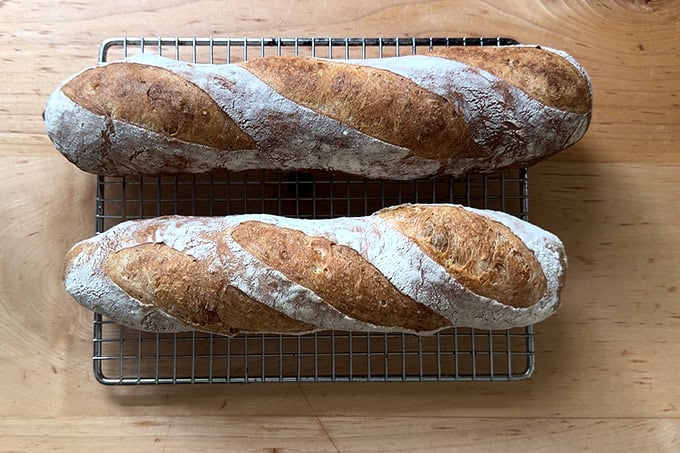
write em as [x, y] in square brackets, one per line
[512, 127]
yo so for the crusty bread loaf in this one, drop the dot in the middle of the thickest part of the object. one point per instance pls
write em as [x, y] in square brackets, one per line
[409, 268]
[452, 111]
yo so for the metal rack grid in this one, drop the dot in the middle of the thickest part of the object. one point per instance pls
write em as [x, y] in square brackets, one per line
[126, 356]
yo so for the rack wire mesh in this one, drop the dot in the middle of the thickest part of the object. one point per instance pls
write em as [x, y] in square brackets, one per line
[125, 356]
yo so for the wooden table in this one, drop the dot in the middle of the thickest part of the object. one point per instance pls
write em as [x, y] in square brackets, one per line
[607, 363]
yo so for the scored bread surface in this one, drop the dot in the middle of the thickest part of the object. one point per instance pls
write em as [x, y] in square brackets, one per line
[156, 274]
[353, 94]
[159, 100]
[481, 253]
[451, 112]
[551, 77]
[384, 280]
[338, 274]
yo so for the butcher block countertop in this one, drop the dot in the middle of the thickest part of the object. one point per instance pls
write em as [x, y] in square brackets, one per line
[607, 364]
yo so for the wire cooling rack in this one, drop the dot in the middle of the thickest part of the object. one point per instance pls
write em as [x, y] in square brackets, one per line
[127, 356]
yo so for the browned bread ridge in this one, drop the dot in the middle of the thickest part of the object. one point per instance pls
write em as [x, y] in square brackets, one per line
[481, 253]
[338, 274]
[354, 95]
[158, 100]
[545, 76]
[158, 275]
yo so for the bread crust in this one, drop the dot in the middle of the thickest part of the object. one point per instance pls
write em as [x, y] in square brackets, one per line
[156, 99]
[548, 76]
[184, 287]
[425, 123]
[449, 113]
[338, 274]
[482, 254]
[176, 273]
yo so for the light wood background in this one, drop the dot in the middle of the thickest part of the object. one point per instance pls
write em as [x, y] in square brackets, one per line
[607, 363]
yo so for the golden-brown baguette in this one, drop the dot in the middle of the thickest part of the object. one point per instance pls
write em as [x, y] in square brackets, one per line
[453, 111]
[409, 268]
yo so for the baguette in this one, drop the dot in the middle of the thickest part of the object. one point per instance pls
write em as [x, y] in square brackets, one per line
[410, 268]
[449, 112]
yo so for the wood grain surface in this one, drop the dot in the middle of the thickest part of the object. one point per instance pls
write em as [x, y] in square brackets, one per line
[607, 363]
